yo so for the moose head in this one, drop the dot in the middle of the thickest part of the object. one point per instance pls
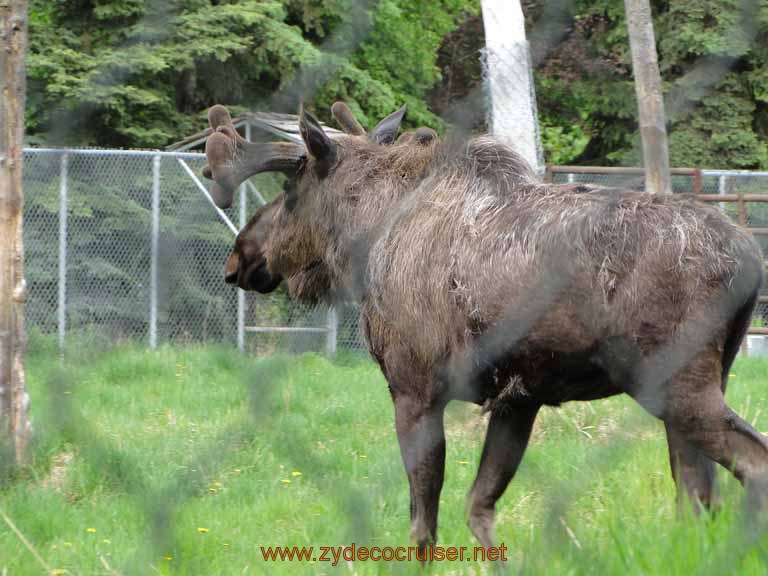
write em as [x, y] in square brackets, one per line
[246, 265]
[232, 159]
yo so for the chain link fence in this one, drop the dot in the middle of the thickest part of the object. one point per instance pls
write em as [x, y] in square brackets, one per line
[125, 245]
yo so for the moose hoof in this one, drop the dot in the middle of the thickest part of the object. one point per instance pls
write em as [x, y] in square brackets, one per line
[480, 523]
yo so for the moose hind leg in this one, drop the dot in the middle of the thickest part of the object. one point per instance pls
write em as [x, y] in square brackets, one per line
[421, 435]
[505, 443]
[694, 473]
[695, 409]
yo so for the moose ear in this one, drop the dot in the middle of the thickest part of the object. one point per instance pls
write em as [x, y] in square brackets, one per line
[320, 146]
[386, 130]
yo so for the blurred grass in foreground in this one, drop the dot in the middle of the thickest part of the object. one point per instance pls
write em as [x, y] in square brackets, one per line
[188, 460]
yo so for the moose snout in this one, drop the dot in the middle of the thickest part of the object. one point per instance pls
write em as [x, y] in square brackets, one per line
[250, 274]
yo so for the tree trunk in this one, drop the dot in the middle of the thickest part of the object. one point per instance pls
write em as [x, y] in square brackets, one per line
[14, 400]
[509, 80]
[650, 101]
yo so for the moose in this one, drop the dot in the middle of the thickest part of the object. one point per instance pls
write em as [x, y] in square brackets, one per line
[478, 282]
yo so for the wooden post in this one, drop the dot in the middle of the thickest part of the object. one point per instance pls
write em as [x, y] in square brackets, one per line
[650, 101]
[697, 181]
[14, 400]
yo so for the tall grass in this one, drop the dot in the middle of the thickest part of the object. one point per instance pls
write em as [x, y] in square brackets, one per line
[188, 460]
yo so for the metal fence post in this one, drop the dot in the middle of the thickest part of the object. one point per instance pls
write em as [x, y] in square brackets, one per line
[63, 174]
[262, 201]
[154, 254]
[333, 331]
[241, 293]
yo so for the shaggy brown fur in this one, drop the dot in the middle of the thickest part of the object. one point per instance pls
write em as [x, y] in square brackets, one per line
[478, 282]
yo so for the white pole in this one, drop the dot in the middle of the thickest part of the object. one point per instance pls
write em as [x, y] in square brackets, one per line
[63, 173]
[509, 80]
[154, 253]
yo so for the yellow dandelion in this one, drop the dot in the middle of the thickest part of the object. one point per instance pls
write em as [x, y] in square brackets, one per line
[168, 557]
[202, 530]
[363, 456]
[285, 481]
[731, 375]
[91, 530]
[106, 541]
[463, 462]
[226, 545]
[57, 571]
[218, 484]
[295, 473]
[212, 490]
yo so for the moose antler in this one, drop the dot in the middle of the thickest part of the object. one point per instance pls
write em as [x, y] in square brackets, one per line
[220, 120]
[346, 120]
[232, 159]
[218, 115]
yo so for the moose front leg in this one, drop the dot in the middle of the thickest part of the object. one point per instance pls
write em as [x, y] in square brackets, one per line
[505, 443]
[422, 446]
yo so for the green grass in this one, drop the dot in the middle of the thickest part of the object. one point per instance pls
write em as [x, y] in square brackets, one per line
[136, 451]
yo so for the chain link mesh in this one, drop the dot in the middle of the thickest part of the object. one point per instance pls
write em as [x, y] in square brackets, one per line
[107, 256]
[41, 229]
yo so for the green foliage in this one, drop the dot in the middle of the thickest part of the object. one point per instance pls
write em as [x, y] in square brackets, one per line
[131, 73]
[713, 60]
[401, 52]
[721, 127]
[140, 74]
